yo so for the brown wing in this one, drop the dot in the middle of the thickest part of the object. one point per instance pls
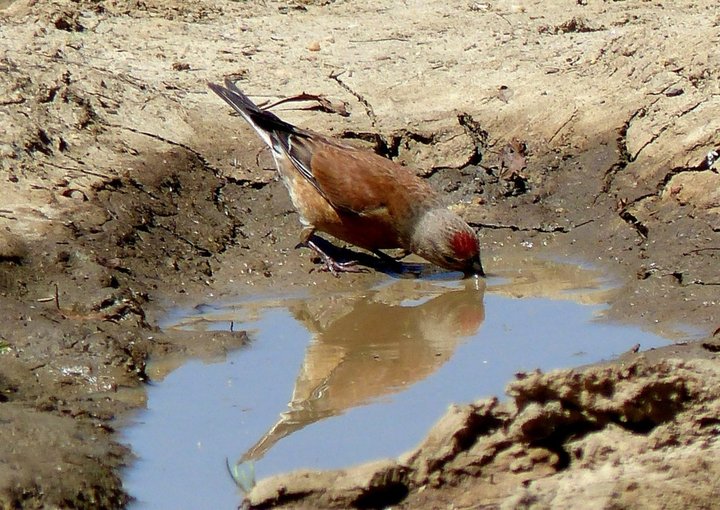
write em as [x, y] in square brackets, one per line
[357, 180]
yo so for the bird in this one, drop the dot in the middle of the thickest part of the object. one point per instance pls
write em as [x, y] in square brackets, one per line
[358, 196]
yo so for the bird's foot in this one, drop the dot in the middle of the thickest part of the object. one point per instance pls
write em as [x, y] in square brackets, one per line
[335, 267]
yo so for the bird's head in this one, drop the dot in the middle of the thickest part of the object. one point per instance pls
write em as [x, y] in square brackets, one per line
[443, 238]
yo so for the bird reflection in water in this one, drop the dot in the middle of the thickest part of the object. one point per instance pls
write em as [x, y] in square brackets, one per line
[370, 345]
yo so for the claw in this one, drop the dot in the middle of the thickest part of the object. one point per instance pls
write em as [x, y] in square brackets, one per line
[343, 267]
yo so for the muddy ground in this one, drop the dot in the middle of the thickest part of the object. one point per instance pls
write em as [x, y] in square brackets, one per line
[578, 128]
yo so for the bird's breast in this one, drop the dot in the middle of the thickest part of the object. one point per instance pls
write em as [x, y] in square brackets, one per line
[373, 229]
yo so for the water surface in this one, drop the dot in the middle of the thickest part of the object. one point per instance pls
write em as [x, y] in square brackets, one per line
[333, 380]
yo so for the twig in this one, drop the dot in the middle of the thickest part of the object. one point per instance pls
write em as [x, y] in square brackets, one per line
[368, 107]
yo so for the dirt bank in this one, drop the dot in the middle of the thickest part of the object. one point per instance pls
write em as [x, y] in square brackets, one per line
[619, 437]
[582, 128]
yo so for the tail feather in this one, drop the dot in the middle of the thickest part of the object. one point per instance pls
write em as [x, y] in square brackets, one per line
[267, 125]
[285, 140]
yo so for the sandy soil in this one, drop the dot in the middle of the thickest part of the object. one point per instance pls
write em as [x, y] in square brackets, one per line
[580, 128]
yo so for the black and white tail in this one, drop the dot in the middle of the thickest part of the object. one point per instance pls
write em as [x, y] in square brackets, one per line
[273, 131]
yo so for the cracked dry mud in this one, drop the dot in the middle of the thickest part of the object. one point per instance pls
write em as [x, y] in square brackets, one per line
[579, 127]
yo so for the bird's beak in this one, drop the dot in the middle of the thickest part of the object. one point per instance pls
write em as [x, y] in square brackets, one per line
[476, 270]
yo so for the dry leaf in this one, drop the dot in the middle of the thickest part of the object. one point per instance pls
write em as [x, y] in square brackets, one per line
[513, 159]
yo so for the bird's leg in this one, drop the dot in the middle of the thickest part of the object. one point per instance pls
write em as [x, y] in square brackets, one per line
[389, 258]
[330, 264]
[395, 262]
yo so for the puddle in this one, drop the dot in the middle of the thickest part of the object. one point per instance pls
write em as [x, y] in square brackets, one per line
[333, 380]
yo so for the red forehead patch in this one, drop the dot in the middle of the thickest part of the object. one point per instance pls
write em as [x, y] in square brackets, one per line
[465, 245]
